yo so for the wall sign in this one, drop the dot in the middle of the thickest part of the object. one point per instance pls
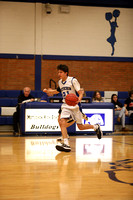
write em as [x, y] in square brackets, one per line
[37, 120]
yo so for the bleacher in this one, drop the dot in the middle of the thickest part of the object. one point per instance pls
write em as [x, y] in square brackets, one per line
[122, 96]
[8, 102]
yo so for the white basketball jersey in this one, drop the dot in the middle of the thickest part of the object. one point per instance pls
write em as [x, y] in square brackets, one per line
[71, 85]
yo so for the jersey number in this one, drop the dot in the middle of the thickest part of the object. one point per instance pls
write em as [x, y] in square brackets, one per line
[65, 94]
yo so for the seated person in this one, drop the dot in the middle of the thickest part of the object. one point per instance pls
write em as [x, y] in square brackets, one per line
[22, 98]
[129, 104]
[97, 97]
[120, 111]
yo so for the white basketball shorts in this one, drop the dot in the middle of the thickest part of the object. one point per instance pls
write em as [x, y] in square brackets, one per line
[71, 111]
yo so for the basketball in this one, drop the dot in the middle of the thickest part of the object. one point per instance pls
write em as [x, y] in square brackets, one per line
[71, 99]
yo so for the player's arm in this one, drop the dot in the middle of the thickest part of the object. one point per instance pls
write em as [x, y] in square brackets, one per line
[51, 91]
[79, 90]
[81, 93]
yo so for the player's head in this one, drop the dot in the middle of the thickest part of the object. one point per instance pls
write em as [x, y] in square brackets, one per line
[63, 68]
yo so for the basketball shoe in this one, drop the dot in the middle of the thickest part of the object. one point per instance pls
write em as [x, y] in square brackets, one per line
[98, 131]
[63, 147]
[60, 139]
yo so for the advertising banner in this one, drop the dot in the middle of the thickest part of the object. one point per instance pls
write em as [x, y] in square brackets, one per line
[104, 117]
[40, 120]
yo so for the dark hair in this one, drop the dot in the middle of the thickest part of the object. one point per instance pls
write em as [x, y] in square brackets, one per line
[117, 102]
[64, 68]
[94, 95]
[130, 93]
[112, 101]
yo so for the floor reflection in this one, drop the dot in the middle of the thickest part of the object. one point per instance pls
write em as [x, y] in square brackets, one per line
[40, 150]
[86, 150]
[92, 149]
[93, 168]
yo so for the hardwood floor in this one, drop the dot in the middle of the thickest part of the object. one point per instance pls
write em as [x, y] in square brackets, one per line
[32, 169]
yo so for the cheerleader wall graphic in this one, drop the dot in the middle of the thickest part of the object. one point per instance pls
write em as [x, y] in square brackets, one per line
[113, 26]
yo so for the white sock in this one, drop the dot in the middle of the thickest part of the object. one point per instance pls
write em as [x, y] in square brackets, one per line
[66, 141]
[95, 126]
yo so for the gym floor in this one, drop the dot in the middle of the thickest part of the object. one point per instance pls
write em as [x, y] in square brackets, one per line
[31, 168]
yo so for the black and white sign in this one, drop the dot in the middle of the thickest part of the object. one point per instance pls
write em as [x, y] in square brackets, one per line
[37, 120]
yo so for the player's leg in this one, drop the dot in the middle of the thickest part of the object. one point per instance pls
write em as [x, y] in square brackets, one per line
[65, 114]
[63, 126]
[60, 139]
[70, 122]
[96, 127]
[85, 126]
[65, 145]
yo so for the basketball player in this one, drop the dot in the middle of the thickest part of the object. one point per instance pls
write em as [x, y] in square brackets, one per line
[67, 85]
[71, 121]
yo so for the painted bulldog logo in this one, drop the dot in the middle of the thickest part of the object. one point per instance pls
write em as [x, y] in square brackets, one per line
[125, 166]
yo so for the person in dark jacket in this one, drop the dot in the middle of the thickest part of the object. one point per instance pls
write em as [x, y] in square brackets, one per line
[22, 98]
[129, 104]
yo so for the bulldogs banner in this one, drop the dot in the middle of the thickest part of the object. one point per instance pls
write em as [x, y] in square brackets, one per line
[37, 120]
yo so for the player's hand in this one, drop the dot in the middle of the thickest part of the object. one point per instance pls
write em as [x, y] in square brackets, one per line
[45, 90]
[48, 91]
[79, 101]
